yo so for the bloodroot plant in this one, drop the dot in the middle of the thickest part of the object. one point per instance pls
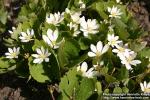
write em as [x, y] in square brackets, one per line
[86, 47]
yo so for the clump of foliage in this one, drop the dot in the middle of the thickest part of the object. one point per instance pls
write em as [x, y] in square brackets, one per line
[87, 47]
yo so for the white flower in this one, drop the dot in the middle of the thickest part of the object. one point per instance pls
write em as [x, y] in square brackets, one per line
[26, 37]
[12, 31]
[114, 12]
[51, 38]
[42, 55]
[98, 50]
[118, 1]
[55, 18]
[85, 72]
[13, 53]
[74, 27]
[113, 40]
[88, 27]
[75, 16]
[110, 28]
[67, 10]
[145, 87]
[82, 4]
[122, 50]
[128, 60]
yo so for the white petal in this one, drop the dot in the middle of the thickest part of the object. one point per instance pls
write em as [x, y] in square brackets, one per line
[24, 40]
[142, 86]
[105, 49]
[7, 54]
[145, 85]
[91, 54]
[39, 51]
[10, 50]
[28, 32]
[93, 48]
[148, 85]
[46, 59]
[42, 50]
[35, 55]
[85, 33]
[14, 49]
[32, 32]
[23, 34]
[128, 66]
[55, 34]
[18, 50]
[41, 60]
[36, 60]
[49, 33]
[135, 62]
[115, 50]
[46, 39]
[84, 67]
[99, 46]
[109, 37]
[10, 57]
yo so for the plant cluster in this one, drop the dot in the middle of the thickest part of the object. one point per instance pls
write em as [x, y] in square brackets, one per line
[87, 47]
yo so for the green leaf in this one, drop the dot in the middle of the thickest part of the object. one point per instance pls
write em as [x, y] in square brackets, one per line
[68, 84]
[22, 69]
[8, 42]
[104, 70]
[68, 51]
[110, 78]
[16, 32]
[84, 43]
[54, 70]
[136, 46]
[120, 29]
[100, 8]
[122, 74]
[86, 89]
[106, 91]
[77, 61]
[3, 16]
[6, 63]
[125, 90]
[99, 88]
[39, 72]
[39, 44]
[132, 24]
[145, 52]
[117, 90]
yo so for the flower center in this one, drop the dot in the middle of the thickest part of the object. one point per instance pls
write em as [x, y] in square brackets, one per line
[54, 43]
[43, 56]
[129, 59]
[98, 54]
[28, 37]
[113, 42]
[113, 14]
[121, 49]
[14, 54]
[147, 90]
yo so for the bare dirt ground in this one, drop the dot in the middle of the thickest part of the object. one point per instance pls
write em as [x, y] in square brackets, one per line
[14, 88]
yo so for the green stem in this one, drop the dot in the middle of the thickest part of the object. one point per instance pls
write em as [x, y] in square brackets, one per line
[56, 57]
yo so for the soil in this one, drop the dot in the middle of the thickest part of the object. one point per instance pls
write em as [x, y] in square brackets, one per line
[14, 88]
[141, 12]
